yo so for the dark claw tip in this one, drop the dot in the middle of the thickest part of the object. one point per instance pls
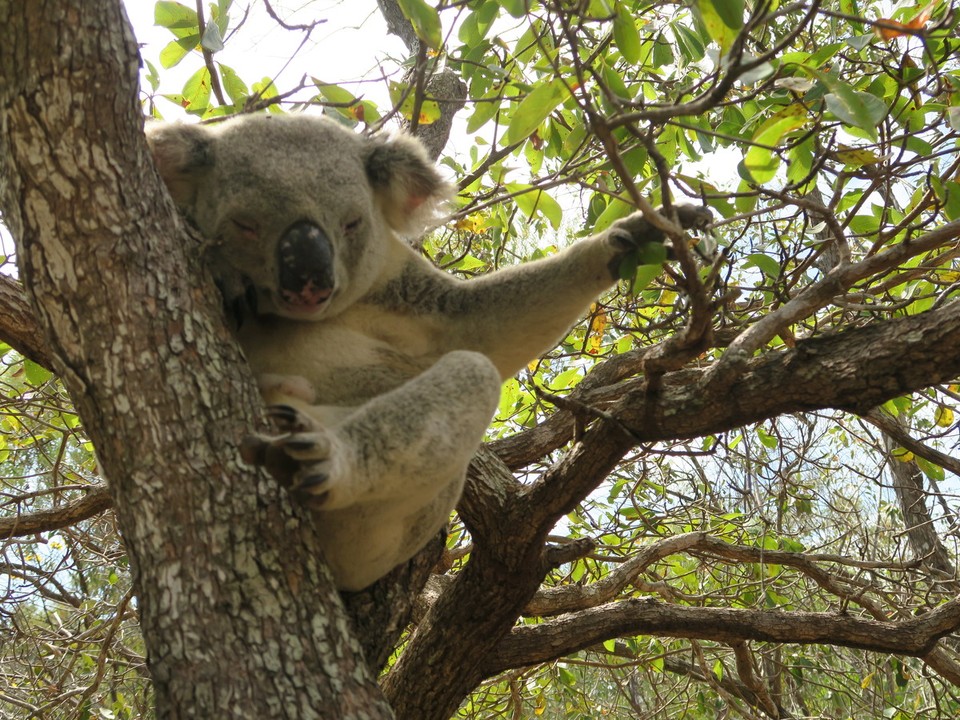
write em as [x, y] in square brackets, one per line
[312, 483]
[282, 412]
[299, 444]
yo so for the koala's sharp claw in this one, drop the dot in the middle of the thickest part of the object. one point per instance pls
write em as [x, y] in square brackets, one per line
[312, 486]
[299, 444]
[283, 413]
[313, 481]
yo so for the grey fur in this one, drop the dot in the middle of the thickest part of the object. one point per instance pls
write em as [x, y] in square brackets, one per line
[393, 372]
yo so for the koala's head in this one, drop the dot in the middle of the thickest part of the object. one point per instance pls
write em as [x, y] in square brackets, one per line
[300, 209]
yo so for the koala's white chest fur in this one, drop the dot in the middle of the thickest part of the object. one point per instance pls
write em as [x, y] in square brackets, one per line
[348, 359]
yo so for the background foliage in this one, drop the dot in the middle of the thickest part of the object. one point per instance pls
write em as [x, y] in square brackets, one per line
[823, 135]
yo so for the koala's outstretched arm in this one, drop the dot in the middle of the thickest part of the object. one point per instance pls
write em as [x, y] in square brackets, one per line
[518, 313]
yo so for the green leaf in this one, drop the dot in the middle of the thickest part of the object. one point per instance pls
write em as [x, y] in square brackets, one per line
[532, 201]
[746, 200]
[196, 92]
[235, 87]
[177, 50]
[36, 375]
[720, 32]
[265, 89]
[856, 109]
[534, 109]
[768, 440]
[173, 15]
[474, 29]
[614, 81]
[731, 12]
[334, 93]
[932, 471]
[690, 43]
[429, 109]
[517, 8]
[760, 161]
[425, 21]
[768, 266]
[483, 111]
[615, 210]
[641, 265]
[626, 36]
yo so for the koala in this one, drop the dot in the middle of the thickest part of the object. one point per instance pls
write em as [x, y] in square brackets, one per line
[382, 371]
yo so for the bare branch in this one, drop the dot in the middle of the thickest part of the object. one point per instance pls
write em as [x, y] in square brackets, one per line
[93, 503]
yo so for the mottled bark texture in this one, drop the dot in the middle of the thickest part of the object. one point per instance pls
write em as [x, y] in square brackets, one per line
[238, 614]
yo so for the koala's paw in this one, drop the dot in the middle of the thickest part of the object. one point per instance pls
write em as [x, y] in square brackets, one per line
[635, 230]
[637, 242]
[307, 458]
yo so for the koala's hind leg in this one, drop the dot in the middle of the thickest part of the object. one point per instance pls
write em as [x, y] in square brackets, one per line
[405, 446]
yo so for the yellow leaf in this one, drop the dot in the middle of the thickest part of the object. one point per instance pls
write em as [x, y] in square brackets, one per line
[943, 416]
[471, 223]
[541, 704]
[903, 455]
[598, 324]
[867, 681]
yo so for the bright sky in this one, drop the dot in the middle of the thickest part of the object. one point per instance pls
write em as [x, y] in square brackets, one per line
[352, 45]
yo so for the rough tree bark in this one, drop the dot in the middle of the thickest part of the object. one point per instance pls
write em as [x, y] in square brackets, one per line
[240, 619]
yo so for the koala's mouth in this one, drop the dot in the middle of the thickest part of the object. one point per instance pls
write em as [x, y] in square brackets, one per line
[307, 299]
[305, 268]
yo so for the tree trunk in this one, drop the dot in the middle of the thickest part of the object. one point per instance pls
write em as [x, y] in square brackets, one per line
[238, 613]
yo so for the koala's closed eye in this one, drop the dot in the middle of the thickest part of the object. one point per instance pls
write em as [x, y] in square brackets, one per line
[247, 229]
[352, 225]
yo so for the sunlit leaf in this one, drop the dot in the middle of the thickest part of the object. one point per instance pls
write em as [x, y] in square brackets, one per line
[931, 470]
[177, 50]
[760, 161]
[173, 15]
[235, 88]
[405, 100]
[425, 21]
[196, 92]
[943, 416]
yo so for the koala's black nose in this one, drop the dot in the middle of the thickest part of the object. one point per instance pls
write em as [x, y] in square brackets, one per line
[305, 262]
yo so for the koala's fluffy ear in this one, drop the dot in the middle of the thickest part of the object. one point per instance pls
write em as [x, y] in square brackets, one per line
[181, 153]
[407, 185]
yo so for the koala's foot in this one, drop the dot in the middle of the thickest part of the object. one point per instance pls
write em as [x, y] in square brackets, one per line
[307, 458]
